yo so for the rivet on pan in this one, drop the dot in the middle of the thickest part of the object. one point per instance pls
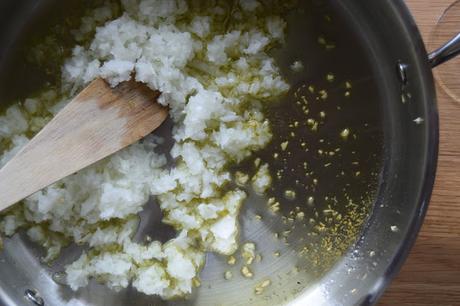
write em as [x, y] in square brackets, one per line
[402, 72]
[33, 296]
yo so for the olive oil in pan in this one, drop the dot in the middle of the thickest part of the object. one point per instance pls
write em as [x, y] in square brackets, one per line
[325, 158]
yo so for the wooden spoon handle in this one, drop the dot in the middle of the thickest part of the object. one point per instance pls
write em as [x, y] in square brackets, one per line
[100, 121]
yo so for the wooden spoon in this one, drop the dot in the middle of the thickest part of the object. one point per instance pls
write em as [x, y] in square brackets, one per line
[98, 122]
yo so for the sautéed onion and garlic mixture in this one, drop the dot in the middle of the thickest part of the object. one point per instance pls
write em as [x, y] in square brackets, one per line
[214, 75]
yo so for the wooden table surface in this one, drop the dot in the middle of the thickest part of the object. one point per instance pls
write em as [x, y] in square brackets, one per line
[431, 275]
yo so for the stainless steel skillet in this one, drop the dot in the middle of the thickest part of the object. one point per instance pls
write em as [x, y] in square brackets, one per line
[388, 163]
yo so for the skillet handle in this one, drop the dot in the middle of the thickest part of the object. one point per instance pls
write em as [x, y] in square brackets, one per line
[450, 50]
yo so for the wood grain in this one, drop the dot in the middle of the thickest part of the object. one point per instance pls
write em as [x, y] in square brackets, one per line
[431, 275]
[97, 123]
